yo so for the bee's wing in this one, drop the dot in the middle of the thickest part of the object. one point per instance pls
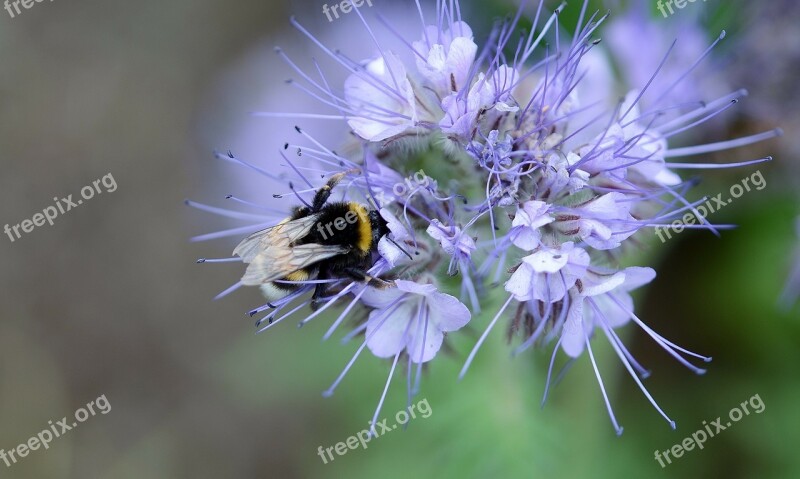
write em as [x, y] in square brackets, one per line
[276, 262]
[280, 236]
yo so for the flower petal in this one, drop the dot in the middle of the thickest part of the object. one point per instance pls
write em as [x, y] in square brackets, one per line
[415, 288]
[447, 313]
[387, 333]
[420, 351]
[380, 298]
[636, 277]
[519, 284]
[573, 336]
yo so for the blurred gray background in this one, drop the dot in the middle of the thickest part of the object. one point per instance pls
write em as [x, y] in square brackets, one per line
[109, 300]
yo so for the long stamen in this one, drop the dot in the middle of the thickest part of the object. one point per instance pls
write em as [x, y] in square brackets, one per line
[229, 290]
[644, 390]
[723, 145]
[550, 372]
[373, 432]
[483, 338]
[602, 387]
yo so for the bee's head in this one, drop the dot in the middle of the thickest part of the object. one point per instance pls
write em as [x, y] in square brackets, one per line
[379, 225]
[380, 229]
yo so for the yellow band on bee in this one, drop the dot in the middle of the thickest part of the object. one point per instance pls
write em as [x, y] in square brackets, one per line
[364, 227]
[299, 275]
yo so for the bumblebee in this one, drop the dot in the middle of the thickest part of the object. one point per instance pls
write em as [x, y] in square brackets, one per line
[318, 241]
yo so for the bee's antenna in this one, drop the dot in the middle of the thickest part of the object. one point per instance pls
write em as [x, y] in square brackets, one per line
[401, 248]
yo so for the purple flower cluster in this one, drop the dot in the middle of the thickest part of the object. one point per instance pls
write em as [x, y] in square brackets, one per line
[508, 175]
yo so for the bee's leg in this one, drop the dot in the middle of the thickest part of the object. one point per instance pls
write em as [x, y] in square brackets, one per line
[325, 192]
[362, 276]
[320, 290]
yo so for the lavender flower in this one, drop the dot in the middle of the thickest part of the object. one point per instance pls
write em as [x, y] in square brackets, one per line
[380, 114]
[419, 314]
[526, 232]
[524, 182]
[444, 58]
[548, 274]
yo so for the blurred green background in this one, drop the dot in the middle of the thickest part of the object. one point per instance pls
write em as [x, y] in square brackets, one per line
[110, 300]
